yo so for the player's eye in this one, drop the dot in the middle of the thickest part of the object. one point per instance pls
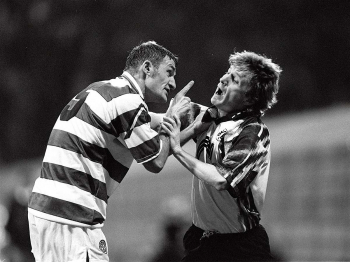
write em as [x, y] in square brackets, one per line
[170, 72]
[224, 83]
[234, 79]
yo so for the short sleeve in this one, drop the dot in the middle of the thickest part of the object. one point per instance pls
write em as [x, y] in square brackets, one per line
[241, 155]
[133, 125]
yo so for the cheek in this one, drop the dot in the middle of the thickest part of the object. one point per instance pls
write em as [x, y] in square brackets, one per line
[235, 97]
[232, 102]
[164, 80]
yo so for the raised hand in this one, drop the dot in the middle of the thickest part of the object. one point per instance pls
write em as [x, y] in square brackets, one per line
[180, 105]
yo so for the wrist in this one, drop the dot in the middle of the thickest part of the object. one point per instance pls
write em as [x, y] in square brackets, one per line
[170, 114]
[177, 150]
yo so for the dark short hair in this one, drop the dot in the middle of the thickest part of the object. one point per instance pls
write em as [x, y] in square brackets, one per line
[149, 50]
[262, 77]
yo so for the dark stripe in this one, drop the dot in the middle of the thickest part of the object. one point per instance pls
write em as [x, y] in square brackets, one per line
[94, 153]
[233, 191]
[75, 178]
[109, 92]
[148, 148]
[240, 188]
[142, 118]
[266, 143]
[264, 133]
[247, 206]
[124, 121]
[245, 182]
[246, 140]
[64, 209]
[116, 170]
[87, 115]
[249, 161]
[203, 144]
[117, 126]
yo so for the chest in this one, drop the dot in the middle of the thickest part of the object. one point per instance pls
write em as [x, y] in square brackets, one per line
[213, 145]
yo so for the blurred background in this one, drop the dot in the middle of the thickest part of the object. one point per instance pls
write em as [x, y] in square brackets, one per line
[50, 50]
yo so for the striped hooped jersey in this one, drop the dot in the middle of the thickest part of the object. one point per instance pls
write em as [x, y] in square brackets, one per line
[90, 150]
[239, 147]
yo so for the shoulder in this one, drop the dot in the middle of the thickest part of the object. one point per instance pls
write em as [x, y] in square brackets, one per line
[249, 129]
[255, 126]
[114, 88]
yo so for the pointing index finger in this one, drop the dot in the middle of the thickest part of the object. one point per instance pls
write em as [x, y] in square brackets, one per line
[184, 90]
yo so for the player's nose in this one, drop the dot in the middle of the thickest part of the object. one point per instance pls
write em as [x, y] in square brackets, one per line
[172, 83]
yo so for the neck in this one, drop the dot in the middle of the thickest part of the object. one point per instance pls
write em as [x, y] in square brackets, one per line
[139, 80]
[224, 113]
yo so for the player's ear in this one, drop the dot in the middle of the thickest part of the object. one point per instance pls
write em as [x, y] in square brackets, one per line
[147, 67]
[249, 100]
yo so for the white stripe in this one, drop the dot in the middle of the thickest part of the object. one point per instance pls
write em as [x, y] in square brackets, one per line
[127, 102]
[117, 82]
[239, 177]
[109, 111]
[246, 169]
[69, 193]
[139, 135]
[260, 132]
[84, 131]
[63, 157]
[97, 137]
[100, 107]
[244, 172]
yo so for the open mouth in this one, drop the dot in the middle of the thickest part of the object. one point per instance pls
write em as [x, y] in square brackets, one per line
[219, 92]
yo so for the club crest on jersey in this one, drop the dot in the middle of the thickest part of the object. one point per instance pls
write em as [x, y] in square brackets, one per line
[103, 246]
[220, 134]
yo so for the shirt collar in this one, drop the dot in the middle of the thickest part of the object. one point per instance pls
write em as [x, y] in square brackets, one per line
[133, 82]
[237, 116]
[212, 114]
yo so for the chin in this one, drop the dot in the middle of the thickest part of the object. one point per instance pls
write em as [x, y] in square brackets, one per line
[214, 101]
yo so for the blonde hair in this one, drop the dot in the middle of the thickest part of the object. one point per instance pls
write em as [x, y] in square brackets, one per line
[262, 76]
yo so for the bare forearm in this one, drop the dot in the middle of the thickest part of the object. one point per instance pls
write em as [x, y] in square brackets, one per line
[187, 134]
[203, 171]
[192, 131]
